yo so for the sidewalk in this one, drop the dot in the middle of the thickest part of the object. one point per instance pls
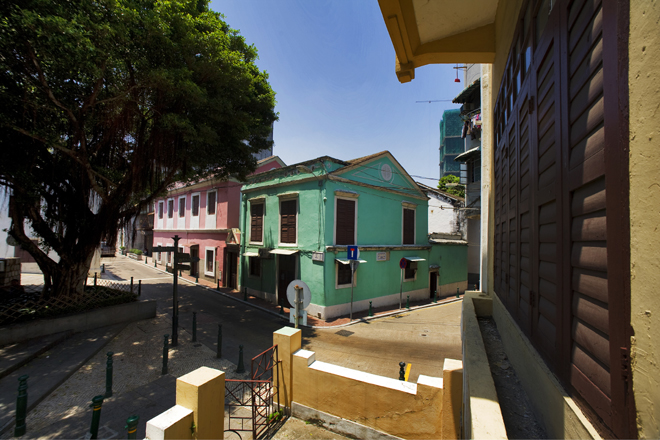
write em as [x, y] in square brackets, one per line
[138, 386]
[313, 322]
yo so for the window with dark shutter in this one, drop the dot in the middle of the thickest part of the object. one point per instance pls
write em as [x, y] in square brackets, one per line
[160, 209]
[182, 207]
[256, 222]
[345, 225]
[195, 205]
[408, 226]
[210, 203]
[170, 208]
[288, 210]
[344, 274]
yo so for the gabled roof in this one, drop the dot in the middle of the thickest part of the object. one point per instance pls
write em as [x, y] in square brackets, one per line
[426, 188]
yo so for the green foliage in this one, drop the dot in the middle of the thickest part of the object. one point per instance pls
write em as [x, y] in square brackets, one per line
[108, 102]
[136, 251]
[449, 184]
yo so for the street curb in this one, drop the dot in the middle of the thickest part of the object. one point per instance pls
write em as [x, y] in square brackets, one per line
[357, 321]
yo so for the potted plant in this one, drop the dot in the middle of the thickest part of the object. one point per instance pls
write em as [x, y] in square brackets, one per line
[136, 254]
[122, 249]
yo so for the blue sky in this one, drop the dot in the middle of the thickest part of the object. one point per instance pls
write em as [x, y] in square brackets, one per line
[331, 64]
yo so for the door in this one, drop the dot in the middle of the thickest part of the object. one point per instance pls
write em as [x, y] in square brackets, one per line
[433, 284]
[232, 268]
[194, 267]
[286, 274]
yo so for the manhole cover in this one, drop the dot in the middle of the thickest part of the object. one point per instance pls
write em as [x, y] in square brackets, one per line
[423, 334]
[344, 333]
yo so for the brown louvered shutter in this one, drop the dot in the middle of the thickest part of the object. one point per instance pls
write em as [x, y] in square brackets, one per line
[345, 226]
[408, 226]
[256, 222]
[288, 221]
[561, 251]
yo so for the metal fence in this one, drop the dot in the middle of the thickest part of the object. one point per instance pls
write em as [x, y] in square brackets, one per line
[31, 302]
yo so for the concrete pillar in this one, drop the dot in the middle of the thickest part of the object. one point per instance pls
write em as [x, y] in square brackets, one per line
[452, 398]
[173, 424]
[203, 392]
[288, 341]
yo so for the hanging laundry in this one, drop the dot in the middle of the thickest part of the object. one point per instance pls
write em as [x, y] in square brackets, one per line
[464, 133]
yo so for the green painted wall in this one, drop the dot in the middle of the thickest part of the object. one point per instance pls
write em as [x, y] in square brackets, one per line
[379, 223]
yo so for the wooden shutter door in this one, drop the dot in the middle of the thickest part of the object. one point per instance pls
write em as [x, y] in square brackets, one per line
[256, 222]
[288, 221]
[345, 226]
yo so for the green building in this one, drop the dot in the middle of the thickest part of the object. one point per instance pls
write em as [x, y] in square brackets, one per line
[451, 142]
[298, 221]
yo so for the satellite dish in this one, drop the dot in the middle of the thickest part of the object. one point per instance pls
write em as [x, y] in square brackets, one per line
[11, 241]
[291, 293]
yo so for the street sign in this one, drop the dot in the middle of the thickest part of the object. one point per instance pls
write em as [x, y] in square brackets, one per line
[182, 266]
[164, 249]
[306, 295]
[184, 258]
[403, 263]
[353, 252]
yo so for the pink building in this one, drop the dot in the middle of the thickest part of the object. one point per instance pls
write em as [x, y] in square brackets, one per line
[205, 215]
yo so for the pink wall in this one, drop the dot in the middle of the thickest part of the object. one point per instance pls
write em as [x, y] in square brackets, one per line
[228, 202]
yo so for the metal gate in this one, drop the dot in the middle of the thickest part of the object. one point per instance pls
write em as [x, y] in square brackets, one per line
[254, 405]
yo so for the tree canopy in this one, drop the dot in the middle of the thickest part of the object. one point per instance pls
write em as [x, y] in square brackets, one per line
[450, 184]
[108, 102]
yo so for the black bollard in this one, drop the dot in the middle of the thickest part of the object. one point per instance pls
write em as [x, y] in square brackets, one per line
[408, 302]
[97, 403]
[219, 352]
[146, 260]
[21, 406]
[131, 426]
[245, 294]
[194, 327]
[155, 263]
[371, 312]
[139, 287]
[131, 284]
[281, 309]
[108, 375]
[241, 367]
[218, 284]
[94, 279]
[457, 292]
[165, 353]
[402, 371]
[103, 268]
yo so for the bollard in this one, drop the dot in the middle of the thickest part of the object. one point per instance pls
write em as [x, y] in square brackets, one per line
[457, 292]
[94, 279]
[281, 309]
[194, 327]
[196, 278]
[108, 375]
[180, 273]
[97, 403]
[371, 312]
[218, 284]
[155, 262]
[131, 284]
[146, 260]
[139, 287]
[103, 268]
[131, 425]
[435, 297]
[219, 351]
[241, 367]
[21, 406]
[402, 371]
[408, 302]
[245, 294]
[165, 352]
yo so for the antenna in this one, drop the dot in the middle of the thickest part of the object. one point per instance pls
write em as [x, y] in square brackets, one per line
[433, 100]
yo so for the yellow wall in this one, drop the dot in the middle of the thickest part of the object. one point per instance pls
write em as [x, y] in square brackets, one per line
[644, 83]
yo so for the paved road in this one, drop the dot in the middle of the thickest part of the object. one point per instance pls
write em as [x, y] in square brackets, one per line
[421, 337]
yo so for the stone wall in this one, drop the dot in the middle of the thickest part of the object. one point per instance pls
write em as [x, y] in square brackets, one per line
[12, 271]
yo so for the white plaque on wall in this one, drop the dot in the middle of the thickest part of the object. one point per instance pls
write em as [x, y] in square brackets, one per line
[318, 256]
[382, 256]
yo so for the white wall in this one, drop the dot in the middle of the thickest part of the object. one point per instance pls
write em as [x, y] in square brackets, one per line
[442, 217]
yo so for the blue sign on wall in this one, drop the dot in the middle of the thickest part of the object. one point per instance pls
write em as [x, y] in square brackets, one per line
[353, 252]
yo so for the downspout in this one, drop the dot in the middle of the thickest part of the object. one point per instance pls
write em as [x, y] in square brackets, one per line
[241, 248]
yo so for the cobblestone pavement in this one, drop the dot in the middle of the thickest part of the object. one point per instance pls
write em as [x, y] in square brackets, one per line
[137, 362]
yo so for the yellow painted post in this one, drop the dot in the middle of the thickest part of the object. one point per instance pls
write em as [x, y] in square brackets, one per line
[288, 341]
[408, 371]
[203, 392]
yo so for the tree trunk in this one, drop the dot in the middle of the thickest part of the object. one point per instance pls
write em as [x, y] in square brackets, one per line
[68, 278]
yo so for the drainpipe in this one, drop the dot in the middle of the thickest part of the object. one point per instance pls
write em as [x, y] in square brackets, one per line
[241, 248]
